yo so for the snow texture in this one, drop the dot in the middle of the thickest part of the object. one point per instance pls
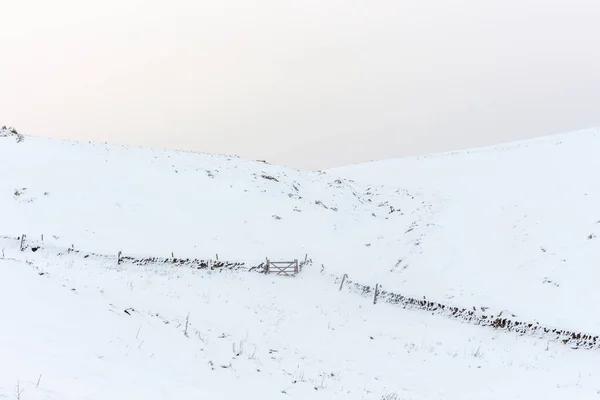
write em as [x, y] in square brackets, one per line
[507, 231]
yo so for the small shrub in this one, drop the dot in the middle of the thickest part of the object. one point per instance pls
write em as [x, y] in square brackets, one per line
[18, 390]
[390, 396]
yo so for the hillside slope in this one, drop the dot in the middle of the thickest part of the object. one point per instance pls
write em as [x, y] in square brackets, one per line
[112, 198]
[79, 327]
[511, 228]
[516, 228]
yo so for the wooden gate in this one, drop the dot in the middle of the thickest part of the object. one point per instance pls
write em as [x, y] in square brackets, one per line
[286, 268]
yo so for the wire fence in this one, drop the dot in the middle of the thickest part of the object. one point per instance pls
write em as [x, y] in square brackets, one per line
[25, 243]
[472, 315]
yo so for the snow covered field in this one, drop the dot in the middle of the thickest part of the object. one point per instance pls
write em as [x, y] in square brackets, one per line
[511, 228]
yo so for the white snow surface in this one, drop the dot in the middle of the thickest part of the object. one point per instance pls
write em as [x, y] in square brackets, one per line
[509, 227]
[516, 227]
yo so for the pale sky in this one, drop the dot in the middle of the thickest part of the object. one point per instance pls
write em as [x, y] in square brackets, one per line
[305, 83]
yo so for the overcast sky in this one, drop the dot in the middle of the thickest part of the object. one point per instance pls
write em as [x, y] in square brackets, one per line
[306, 83]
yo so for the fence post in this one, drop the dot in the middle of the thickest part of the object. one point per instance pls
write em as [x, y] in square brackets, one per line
[343, 280]
[296, 270]
[267, 266]
[22, 242]
[376, 293]
[42, 237]
[217, 255]
[119, 257]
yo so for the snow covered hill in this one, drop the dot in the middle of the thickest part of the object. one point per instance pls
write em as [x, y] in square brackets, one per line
[516, 229]
[511, 228]
[111, 198]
